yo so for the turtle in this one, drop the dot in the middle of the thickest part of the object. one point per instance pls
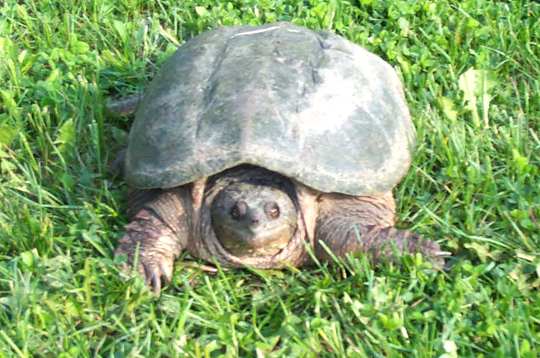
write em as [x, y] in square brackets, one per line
[266, 147]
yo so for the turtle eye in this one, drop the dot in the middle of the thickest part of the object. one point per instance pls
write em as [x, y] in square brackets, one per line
[272, 210]
[238, 210]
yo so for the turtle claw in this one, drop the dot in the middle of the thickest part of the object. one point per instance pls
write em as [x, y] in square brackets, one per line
[151, 247]
[153, 278]
[154, 267]
[442, 254]
[166, 271]
[156, 272]
[431, 250]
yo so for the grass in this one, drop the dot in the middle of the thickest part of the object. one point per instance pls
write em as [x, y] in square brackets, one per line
[471, 70]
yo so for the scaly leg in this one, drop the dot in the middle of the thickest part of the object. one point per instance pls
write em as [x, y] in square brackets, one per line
[124, 106]
[160, 222]
[364, 224]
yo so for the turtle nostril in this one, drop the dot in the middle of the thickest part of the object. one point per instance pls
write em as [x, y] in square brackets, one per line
[255, 219]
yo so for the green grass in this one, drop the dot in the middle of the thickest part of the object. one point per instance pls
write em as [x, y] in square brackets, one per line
[471, 71]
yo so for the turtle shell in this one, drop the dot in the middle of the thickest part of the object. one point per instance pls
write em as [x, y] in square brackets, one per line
[309, 105]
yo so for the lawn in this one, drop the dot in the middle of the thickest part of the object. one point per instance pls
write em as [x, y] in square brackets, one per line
[471, 71]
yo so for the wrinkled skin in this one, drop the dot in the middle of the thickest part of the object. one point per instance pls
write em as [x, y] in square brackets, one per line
[233, 218]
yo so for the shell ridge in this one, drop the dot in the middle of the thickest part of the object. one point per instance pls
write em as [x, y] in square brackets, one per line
[316, 81]
[248, 130]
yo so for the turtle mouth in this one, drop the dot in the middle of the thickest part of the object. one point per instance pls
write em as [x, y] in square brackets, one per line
[258, 241]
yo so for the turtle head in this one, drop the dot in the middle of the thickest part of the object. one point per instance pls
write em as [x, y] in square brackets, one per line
[252, 219]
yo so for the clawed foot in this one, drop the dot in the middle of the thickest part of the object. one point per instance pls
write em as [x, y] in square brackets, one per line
[155, 268]
[390, 242]
[430, 249]
[147, 245]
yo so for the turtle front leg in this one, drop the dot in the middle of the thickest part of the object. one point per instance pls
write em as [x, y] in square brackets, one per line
[157, 233]
[364, 224]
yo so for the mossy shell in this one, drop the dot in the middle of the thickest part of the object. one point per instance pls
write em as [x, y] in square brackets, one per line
[309, 105]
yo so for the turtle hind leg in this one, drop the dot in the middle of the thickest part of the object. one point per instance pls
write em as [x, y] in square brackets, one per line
[158, 231]
[124, 106]
[365, 224]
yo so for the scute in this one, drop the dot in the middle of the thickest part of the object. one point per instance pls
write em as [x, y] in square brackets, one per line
[312, 106]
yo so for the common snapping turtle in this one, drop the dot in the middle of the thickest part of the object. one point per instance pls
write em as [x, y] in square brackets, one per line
[253, 143]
